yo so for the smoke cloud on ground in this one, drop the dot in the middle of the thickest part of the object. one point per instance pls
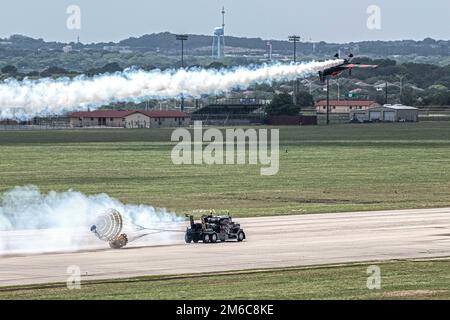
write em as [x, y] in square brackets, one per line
[35, 222]
[29, 98]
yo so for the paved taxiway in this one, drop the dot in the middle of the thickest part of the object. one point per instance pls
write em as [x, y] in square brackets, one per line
[271, 242]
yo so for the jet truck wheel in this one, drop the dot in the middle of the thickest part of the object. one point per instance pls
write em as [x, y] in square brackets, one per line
[240, 236]
[214, 238]
[187, 238]
[206, 238]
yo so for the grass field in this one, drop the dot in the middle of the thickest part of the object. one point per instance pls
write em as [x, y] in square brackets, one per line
[399, 280]
[325, 169]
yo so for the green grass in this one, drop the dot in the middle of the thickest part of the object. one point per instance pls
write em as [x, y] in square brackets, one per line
[325, 169]
[399, 280]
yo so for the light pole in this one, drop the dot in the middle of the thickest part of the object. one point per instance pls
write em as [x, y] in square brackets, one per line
[182, 38]
[328, 100]
[386, 93]
[339, 89]
[295, 39]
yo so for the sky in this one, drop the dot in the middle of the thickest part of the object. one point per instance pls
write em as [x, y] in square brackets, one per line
[319, 20]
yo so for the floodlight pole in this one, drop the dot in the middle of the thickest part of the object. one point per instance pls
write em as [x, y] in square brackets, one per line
[295, 39]
[182, 38]
[182, 53]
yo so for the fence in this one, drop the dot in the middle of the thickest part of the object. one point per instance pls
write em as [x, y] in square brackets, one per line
[335, 118]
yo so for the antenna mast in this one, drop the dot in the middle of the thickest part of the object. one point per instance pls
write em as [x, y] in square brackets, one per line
[223, 17]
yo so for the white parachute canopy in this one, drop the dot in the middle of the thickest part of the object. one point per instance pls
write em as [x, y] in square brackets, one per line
[108, 226]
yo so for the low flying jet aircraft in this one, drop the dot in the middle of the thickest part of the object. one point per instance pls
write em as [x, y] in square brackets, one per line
[346, 65]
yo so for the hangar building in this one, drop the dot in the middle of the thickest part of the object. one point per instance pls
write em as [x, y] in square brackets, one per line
[386, 113]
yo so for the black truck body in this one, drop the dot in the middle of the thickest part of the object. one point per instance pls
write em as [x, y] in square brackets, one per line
[214, 228]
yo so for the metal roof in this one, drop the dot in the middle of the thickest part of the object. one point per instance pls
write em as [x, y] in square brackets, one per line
[346, 103]
[399, 107]
[165, 114]
[101, 114]
[125, 113]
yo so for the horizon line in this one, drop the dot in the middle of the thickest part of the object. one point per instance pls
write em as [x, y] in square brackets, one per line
[206, 35]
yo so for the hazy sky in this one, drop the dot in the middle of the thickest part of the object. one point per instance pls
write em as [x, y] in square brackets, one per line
[337, 21]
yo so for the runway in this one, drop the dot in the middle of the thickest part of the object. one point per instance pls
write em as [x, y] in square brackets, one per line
[280, 241]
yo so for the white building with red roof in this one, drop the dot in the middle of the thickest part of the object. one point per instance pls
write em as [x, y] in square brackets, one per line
[345, 106]
[129, 119]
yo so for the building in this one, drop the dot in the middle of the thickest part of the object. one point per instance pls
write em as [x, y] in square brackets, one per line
[386, 113]
[67, 49]
[233, 111]
[120, 49]
[129, 119]
[8, 122]
[344, 106]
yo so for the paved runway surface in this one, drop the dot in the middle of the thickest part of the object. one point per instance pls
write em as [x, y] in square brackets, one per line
[271, 242]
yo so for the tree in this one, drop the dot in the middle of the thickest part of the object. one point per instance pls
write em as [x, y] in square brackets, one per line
[216, 65]
[12, 70]
[53, 71]
[408, 97]
[304, 99]
[437, 95]
[281, 105]
[107, 68]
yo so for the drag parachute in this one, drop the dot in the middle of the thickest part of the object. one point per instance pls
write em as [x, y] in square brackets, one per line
[108, 226]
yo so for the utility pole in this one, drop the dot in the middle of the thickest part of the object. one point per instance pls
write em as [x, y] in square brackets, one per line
[295, 39]
[386, 93]
[328, 100]
[339, 89]
[182, 38]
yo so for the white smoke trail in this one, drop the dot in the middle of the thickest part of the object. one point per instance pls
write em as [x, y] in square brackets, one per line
[33, 222]
[27, 99]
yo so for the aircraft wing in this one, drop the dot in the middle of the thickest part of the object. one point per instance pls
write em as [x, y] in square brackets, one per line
[355, 65]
